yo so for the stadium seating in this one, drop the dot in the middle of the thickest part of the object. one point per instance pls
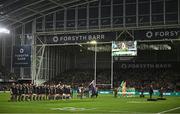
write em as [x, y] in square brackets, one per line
[134, 78]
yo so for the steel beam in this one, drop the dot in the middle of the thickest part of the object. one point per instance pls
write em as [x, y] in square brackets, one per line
[150, 13]
[137, 13]
[164, 11]
[178, 11]
[11, 19]
[124, 13]
[51, 11]
[38, 1]
[99, 14]
[111, 15]
[56, 3]
[108, 29]
[87, 16]
[37, 12]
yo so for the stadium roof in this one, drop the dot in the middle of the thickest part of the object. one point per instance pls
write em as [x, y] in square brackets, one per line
[15, 12]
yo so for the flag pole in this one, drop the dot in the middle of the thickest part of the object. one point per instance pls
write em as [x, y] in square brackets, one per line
[111, 67]
[95, 57]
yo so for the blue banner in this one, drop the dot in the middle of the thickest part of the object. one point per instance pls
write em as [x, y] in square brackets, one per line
[21, 56]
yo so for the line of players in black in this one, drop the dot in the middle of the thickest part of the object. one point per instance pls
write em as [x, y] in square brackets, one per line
[30, 92]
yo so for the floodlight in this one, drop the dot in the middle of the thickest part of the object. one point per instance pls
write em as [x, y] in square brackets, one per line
[93, 42]
[4, 30]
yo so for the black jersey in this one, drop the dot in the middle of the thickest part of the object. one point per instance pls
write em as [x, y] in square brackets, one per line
[26, 90]
[39, 90]
[20, 90]
[65, 90]
[68, 90]
[51, 90]
[60, 90]
[47, 90]
[30, 90]
[13, 90]
[151, 90]
[34, 90]
[54, 90]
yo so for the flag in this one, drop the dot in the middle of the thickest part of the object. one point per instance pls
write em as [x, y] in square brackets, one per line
[122, 83]
[124, 89]
[92, 83]
[120, 86]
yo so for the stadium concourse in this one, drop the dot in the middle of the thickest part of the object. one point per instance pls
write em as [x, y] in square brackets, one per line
[110, 52]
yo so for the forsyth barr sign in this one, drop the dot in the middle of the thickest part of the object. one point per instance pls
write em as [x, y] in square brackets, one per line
[22, 56]
[155, 34]
[77, 38]
[165, 34]
[145, 65]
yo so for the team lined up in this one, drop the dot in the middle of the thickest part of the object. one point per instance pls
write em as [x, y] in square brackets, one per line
[26, 92]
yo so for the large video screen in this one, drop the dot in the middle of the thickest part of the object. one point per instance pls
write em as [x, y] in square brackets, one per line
[124, 48]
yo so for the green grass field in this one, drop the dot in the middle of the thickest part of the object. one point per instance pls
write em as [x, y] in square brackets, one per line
[103, 104]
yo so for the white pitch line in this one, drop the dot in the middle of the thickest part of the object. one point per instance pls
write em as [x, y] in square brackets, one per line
[169, 110]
